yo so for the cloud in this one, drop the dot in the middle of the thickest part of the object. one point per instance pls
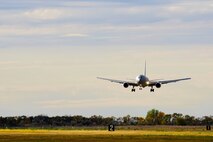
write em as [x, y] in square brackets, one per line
[87, 3]
[44, 13]
[75, 35]
[62, 13]
[70, 30]
[25, 30]
[187, 7]
[152, 10]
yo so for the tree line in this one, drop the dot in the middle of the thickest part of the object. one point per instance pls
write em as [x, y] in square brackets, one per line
[153, 117]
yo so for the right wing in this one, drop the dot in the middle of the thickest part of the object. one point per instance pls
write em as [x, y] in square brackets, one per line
[119, 81]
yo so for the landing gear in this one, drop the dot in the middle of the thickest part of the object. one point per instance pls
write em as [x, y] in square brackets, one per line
[152, 90]
[133, 89]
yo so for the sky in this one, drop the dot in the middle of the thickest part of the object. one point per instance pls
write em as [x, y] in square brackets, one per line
[52, 51]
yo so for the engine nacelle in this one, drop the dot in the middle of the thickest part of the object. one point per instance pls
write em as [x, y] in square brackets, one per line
[158, 85]
[126, 85]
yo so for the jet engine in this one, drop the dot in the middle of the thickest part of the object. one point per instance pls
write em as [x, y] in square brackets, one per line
[126, 85]
[158, 85]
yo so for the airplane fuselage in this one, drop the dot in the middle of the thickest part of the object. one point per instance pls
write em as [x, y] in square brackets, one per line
[142, 80]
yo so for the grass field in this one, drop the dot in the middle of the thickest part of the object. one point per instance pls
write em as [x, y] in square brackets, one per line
[26, 135]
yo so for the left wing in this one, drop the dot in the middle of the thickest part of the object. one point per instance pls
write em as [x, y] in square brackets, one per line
[119, 81]
[152, 83]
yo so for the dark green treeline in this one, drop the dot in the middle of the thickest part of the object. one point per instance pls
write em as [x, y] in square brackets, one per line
[153, 117]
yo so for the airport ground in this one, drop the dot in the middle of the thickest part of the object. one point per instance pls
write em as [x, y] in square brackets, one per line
[122, 134]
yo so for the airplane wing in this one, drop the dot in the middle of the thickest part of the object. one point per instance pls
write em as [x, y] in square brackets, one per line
[119, 81]
[152, 83]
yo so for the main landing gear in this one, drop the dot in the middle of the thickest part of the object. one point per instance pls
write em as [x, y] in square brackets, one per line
[152, 90]
[133, 89]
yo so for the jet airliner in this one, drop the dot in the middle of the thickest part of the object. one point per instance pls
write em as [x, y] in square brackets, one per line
[143, 81]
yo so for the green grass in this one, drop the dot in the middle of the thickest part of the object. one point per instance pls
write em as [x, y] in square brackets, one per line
[29, 135]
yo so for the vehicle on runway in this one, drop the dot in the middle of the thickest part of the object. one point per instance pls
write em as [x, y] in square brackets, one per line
[143, 81]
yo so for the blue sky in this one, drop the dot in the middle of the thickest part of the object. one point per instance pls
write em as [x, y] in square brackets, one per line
[52, 51]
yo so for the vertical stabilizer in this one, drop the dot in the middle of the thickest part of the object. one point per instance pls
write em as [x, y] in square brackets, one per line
[145, 68]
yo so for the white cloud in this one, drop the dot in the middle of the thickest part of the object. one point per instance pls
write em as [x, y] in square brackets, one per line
[65, 13]
[105, 29]
[132, 10]
[75, 35]
[44, 13]
[26, 30]
[55, 30]
[84, 4]
[195, 7]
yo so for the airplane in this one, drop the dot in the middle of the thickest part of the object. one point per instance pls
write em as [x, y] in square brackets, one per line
[143, 81]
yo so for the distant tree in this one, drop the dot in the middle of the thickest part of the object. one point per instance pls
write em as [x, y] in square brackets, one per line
[97, 120]
[66, 120]
[167, 119]
[180, 121]
[207, 120]
[160, 118]
[23, 121]
[56, 121]
[126, 119]
[141, 121]
[155, 117]
[41, 121]
[151, 117]
[11, 122]
[189, 120]
[2, 122]
[198, 121]
[133, 120]
[77, 120]
[175, 117]
[108, 120]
